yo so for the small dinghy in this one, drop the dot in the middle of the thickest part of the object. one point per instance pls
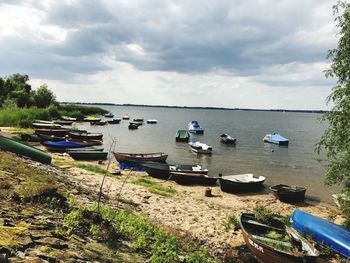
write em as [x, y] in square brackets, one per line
[140, 157]
[138, 120]
[63, 122]
[240, 182]
[51, 125]
[274, 243]
[126, 117]
[288, 194]
[88, 155]
[184, 178]
[133, 126]
[114, 121]
[109, 115]
[152, 121]
[162, 170]
[225, 138]
[55, 132]
[182, 136]
[194, 127]
[276, 139]
[199, 147]
[66, 118]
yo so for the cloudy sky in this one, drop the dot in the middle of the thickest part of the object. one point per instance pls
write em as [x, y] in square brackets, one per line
[227, 53]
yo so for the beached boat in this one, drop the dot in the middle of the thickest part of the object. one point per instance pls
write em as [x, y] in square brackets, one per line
[62, 146]
[114, 121]
[39, 125]
[43, 121]
[98, 123]
[192, 178]
[66, 118]
[194, 127]
[7, 144]
[126, 117]
[274, 243]
[322, 231]
[27, 137]
[276, 139]
[92, 118]
[63, 122]
[162, 170]
[140, 157]
[109, 115]
[86, 136]
[288, 194]
[53, 138]
[199, 147]
[152, 121]
[55, 132]
[225, 138]
[240, 182]
[182, 136]
[133, 126]
[88, 155]
[88, 148]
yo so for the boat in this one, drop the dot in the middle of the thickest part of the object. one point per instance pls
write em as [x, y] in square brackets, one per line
[276, 139]
[275, 243]
[133, 126]
[225, 138]
[66, 118]
[322, 231]
[339, 198]
[27, 137]
[43, 121]
[85, 135]
[61, 146]
[126, 117]
[56, 132]
[98, 123]
[137, 123]
[63, 122]
[192, 178]
[92, 118]
[182, 136]
[140, 157]
[194, 127]
[138, 120]
[162, 170]
[152, 121]
[109, 115]
[39, 125]
[199, 147]
[240, 182]
[88, 155]
[10, 145]
[53, 138]
[88, 148]
[288, 194]
[85, 142]
[114, 121]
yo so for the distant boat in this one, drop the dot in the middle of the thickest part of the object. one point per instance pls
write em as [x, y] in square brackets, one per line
[240, 182]
[138, 123]
[86, 136]
[192, 178]
[162, 170]
[152, 121]
[66, 118]
[114, 121]
[182, 136]
[61, 146]
[194, 127]
[126, 117]
[199, 147]
[98, 123]
[140, 157]
[138, 120]
[225, 138]
[92, 118]
[63, 122]
[288, 194]
[322, 231]
[39, 125]
[109, 115]
[88, 155]
[56, 132]
[133, 126]
[276, 139]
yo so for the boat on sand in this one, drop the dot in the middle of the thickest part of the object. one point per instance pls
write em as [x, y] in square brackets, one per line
[240, 182]
[140, 157]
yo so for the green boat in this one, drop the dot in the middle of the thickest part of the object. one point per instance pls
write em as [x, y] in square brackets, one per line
[13, 146]
[88, 155]
[182, 136]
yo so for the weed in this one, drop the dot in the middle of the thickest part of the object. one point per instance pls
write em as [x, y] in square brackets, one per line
[231, 221]
[154, 187]
[263, 214]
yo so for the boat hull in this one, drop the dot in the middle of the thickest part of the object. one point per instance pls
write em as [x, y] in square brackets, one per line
[182, 136]
[140, 157]
[88, 155]
[85, 136]
[56, 132]
[192, 179]
[235, 187]
[287, 194]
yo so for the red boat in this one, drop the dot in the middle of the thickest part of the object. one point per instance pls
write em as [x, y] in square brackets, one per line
[140, 157]
[57, 132]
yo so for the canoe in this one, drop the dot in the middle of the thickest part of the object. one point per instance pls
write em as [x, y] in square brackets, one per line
[88, 155]
[288, 194]
[322, 231]
[114, 121]
[182, 136]
[140, 157]
[199, 147]
[192, 178]
[276, 139]
[240, 182]
[225, 138]
[38, 125]
[55, 132]
[88, 148]
[162, 170]
[21, 149]
[194, 127]
[86, 136]
[274, 243]
[152, 121]
[43, 121]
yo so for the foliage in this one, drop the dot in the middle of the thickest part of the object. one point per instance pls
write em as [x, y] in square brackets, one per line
[154, 187]
[263, 214]
[79, 111]
[231, 221]
[43, 97]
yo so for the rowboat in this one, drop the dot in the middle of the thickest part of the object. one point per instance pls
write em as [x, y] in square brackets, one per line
[114, 121]
[276, 139]
[140, 157]
[109, 115]
[66, 118]
[63, 122]
[56, 132]
[192, 178]
[162, 170]
[288, 194]
[138, 123]
[194, 127]
[240, 182]
[61, 146]
[7, 144]
[43, 121]
[199, 147]
[274, 243]
[182, 136]
[86, 136]
[322, 231]
[53, 138]
[225, 138]
[88, 148]
[39, 125]
[88, 155]
[98, 123]
[152, 121]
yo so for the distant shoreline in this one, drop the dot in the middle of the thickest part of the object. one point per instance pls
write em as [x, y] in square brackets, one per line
[191, 107]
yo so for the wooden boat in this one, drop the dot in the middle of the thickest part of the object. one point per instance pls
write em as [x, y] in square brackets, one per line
[85, 142]
[126, 117]
[7, 144]
[98, 123]
[194, 127]
[43, 121]
[138, 120]
[63, 122]
[88, 155]
[66, 118]
[225, 138]
[39, 125]
[140, 157]
[199, 147]
[88, 148]
[274, 243]
[152, 121]
[276, 139]
[85, 136]
[182, 136]
[288, 194]
[92, 118]
[240, 182]
[109, 115]
[322, 231]
[53, 138]
[192, 178]
[55, 132]
[162, 170]
[61, 146]
[114, 121]
[133, 126]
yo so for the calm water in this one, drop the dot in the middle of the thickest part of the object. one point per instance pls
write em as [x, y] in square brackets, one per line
[297, 164]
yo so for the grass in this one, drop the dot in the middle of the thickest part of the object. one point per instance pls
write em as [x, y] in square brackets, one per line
[230, 222]
[154, 187]
[86, 167]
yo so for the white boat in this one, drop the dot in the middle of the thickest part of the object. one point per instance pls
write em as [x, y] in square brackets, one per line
[199, 147]
[152, 121]
[240, 182]
[276, 139]
[194, 127]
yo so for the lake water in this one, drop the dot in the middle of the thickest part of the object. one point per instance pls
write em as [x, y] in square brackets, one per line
[297, 164]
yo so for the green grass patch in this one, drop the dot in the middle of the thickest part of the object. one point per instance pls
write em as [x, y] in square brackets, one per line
[154, 187]
[231, 222]
[84, 166]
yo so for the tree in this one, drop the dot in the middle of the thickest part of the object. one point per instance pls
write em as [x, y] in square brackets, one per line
[336, 139]
[43, 97]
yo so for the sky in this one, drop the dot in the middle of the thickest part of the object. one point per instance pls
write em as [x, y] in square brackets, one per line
[264, 54]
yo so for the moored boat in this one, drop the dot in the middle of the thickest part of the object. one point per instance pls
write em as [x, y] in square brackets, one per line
[114, 121]
[66, 118]
[322, 231]
[240, 182]
[152, 121]
[225, 138]
[85, 136]
[98, 123]
[276, 138]
[140, 157]
[109, 115]
[88, 155]
[138, 119]
[133, 126]
[21, 149]
[199, 147]
[192, 178]
[194, 127]
[63, 122]
[182, 136]
[288, 194]
[126, 117]
[56, 132]
[162, 170]
[136, 123]
[39, 125]
[53, 138]
[92, 118]
[274, 243]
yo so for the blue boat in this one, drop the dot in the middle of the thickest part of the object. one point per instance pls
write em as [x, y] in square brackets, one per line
[276, 139]
[194, 127]
[62, 146]
[109, 115]
[324, 232]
